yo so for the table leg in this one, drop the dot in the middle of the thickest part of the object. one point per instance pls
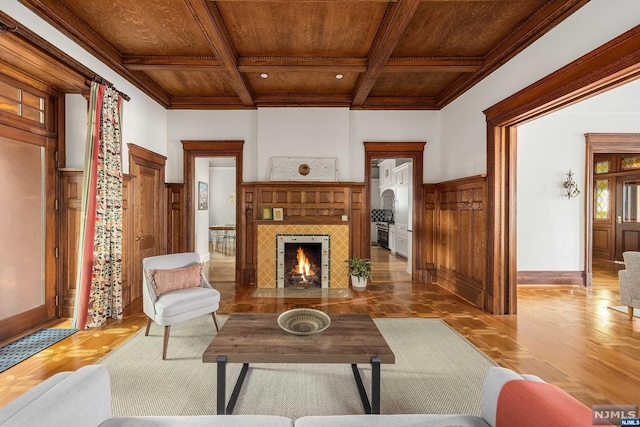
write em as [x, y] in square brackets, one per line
[222, 386]
[372, 407]
[363, 393]
[375, 385]
[223, 407]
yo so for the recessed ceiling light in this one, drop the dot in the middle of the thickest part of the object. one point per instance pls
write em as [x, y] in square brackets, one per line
[339, 76]
[264, 75]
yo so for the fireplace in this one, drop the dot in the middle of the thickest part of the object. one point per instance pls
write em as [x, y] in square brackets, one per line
[303, 261]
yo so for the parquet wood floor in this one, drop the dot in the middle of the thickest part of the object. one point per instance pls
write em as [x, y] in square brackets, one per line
[564, 334]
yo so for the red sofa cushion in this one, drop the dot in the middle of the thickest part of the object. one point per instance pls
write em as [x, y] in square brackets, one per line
[525, 403]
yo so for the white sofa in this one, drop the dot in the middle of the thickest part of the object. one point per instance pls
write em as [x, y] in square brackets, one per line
[83, 399]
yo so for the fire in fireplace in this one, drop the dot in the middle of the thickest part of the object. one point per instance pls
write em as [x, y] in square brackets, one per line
[303, 260]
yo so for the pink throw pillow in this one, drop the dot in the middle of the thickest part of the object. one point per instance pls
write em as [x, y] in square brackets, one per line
[168, 280]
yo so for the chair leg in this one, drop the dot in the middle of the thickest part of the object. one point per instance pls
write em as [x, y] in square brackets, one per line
[146, 333]
[630, 311]
[166, 342]
[215, 320]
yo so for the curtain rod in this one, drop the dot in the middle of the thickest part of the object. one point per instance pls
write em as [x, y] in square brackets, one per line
[105, 82]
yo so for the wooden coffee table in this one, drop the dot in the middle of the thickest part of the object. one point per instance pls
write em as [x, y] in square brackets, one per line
[257, 338]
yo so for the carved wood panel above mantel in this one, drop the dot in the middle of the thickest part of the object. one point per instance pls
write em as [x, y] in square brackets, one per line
[302, 203]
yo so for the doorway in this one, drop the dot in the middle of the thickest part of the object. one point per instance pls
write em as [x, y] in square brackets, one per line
[216, 230]
[407, 160]
[197, 235]
[613, 182]
[26, 192]
[391, 223]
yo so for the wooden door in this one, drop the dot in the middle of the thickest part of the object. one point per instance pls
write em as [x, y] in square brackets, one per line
[148, 199]
[604, 217]
[627, 214]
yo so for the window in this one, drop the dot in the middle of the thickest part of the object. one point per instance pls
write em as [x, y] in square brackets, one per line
[21, 103]
[602, 199]
[602, 167]
[632, 162]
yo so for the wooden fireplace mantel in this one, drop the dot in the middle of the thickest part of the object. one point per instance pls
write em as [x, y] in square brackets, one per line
[310, 203]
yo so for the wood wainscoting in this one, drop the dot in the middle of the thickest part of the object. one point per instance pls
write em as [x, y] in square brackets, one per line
[175, 218]
[454, 237]
[303, 203]
[70, 215]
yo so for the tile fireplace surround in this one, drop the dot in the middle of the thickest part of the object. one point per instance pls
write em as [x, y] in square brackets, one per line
[266, 268]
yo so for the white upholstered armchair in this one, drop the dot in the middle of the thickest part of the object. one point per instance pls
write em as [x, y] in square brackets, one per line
[175, 289]
[630, 281]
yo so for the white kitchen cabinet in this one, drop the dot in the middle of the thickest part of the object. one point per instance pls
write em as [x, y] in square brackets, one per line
[392, 238]
[376, 203]
[374, 232]
[387, 177]
[402, 240]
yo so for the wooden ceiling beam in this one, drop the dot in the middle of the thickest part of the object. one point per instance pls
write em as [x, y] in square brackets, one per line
[399, 103]
[297, 64]
[538, 24]
[69, 24]
[444, 64]
[169, 63]
[285, 63]
[206, 103]
[208, 18]
[303, 100]
[396, 20]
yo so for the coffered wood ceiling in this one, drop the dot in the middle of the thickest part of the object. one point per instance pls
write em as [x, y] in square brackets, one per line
[400, 54]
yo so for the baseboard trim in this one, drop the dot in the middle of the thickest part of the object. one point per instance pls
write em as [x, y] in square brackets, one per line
[551, 278]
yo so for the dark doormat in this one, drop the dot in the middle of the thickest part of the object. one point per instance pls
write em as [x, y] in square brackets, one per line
[17, 351]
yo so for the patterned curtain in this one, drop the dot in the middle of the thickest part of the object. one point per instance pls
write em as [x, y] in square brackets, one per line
[99, 280]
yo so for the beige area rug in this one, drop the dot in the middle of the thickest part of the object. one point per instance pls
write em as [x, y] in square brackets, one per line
[623, 309]
[436, 371]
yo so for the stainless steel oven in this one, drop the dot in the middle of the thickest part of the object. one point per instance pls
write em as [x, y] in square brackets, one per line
[383, 234]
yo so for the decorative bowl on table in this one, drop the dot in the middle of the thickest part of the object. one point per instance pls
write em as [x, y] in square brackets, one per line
[304, 321]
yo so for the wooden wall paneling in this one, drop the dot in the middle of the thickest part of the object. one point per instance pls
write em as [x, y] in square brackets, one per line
[356, 212]
[462, 219]
[303, 203]
[246, 242]
[550, 277]
[70, 213]
[175, 218]
[428, 239]
[127, 239]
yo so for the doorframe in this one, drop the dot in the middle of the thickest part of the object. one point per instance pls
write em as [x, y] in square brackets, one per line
[601, 143]
[211, 148]
[397, 150]
[611, 65]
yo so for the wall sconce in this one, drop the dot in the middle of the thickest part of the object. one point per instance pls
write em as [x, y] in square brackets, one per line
[571, 186]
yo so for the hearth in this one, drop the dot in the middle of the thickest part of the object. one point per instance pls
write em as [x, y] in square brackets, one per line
[303, 261]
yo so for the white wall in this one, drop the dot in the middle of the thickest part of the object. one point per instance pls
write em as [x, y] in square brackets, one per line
[463, 125]
[303, 132]
[211, 125]
[550, 229]
[222, 184]
[315, 132]
[144, 120]
[201, 223]
[376, 126]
